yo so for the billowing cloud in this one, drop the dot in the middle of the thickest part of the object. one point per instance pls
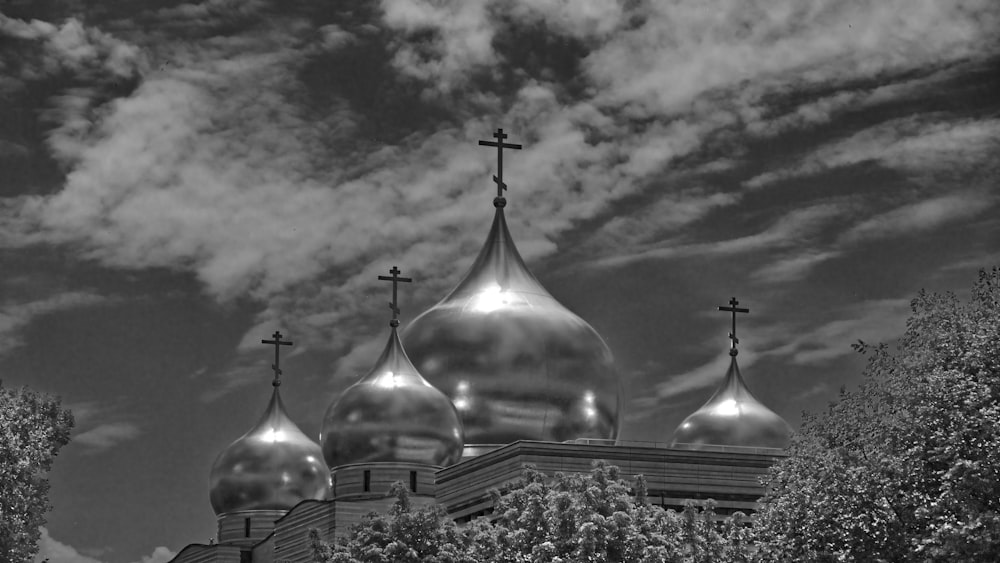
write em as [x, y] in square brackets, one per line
[54, 551]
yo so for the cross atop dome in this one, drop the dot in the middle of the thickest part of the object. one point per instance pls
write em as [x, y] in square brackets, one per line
[732, 335]
[499, 201]
[278, 343]
[394, 304]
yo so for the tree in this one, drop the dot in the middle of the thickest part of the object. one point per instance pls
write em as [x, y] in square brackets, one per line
[405, 535]
[33, 427]
[908, 466]
[595, 517]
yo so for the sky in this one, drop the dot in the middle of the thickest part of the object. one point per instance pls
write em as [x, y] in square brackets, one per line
[180, 180]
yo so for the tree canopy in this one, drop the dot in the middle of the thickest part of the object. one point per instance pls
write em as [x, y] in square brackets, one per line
[595, 517]
[33, 427]
[907, 467]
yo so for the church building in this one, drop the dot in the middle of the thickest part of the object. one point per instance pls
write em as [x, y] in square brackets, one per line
[497, 375]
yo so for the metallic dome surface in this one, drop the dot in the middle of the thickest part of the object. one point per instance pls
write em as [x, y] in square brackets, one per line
[392, 414]
[274, 466]
[733, 417]
[516, 363]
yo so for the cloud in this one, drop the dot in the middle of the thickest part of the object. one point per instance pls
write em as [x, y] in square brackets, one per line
[55, 551]
[235, 163]
[106, 436]
[709, 374]
[793, 268]
[909, 144]
[14, 317]
[70, 46]
[919, 216]
[159, 555]
[785, 231]
[872, 321]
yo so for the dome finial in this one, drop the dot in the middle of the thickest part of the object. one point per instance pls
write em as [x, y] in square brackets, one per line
[278, 343]
[732, 335]
[394, 304]
[499, 201]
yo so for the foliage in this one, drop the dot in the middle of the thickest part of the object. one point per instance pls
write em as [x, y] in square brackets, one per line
[32, 429]
[907, 468]
[541, 519]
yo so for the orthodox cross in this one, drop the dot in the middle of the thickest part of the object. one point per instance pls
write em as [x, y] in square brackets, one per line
[395, 279]
[278, 343]
[499, 201]
[732, 335]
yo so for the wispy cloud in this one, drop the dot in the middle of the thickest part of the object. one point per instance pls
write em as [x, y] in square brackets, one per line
[793, 268]
[15, 317]
[101, 426]
[920, 216]
[909, 144]
[785, 231]
[54, 551]
[106, 436]
[708, 374]
[872, 321]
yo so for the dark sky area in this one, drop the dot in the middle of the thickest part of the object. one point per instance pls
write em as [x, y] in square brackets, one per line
[180, 180]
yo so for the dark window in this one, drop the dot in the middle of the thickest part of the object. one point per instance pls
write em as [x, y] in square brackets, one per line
[413, 481]
[368, 480]
[246, 527]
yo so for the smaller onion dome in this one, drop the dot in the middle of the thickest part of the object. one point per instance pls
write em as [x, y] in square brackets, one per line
[274, 466]
[392, 415]
[733, 417]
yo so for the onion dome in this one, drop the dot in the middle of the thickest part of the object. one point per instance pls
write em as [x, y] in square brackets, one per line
[733, 416]
[392, 414]
[517, 364]
[274, 466]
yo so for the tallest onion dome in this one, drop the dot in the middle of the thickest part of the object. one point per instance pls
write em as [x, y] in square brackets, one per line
[516, 363]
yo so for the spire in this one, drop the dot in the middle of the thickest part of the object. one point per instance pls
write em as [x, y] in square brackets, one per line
[278, 343]
[732, 335]
[394, 304]
[499, 201]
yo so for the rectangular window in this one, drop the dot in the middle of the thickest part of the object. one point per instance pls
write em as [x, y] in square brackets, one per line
[368, 480]
[246, 527]
[413, 481]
